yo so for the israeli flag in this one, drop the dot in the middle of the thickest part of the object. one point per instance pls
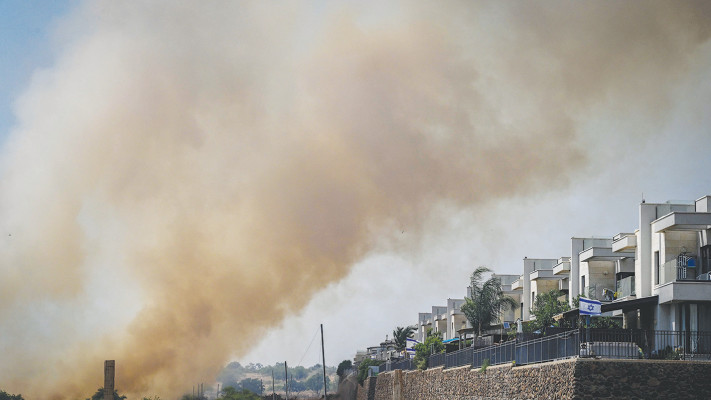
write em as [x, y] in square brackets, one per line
[589, 307]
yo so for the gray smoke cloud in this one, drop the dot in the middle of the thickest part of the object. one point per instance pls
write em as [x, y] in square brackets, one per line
[187, 174]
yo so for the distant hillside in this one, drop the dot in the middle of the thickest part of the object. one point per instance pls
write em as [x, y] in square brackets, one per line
[252, 376]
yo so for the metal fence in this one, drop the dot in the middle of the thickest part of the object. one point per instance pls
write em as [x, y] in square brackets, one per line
[402, 364]
[436, 360]
[548, 348]
[598, 343]
[637, 343]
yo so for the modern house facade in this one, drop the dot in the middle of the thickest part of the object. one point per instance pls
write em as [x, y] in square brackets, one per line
[672, 267]
[656, 278]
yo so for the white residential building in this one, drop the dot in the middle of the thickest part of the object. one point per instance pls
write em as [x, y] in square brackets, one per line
[439, 320]
[456, 319]
[424, 324]
[672, 268]
[510, 315]
[531, 268]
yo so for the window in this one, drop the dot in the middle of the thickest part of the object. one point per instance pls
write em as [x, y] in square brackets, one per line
[582, 285]
[705, 261]
[656, 267]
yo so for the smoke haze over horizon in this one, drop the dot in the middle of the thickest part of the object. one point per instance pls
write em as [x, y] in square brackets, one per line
[186, 176]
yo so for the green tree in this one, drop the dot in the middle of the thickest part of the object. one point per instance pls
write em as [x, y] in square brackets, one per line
[545, 307]
[298, 373]
[251, 384]
[363, 368]
[487, 301]
[604, 322]
[432, 345]
[296, 386]
[230, 393]
[400, 336]
[315, 382]
[99, 395]
[344, 366]
[7, 396]
[193, 397]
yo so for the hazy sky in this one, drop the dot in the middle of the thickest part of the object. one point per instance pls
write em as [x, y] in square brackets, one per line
[184, 185]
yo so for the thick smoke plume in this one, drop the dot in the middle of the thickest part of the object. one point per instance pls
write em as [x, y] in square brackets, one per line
[188, 173]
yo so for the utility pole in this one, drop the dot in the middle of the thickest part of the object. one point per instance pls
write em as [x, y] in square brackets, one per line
[286, 381]
[273, 392]
[109, 375]
[323, 355]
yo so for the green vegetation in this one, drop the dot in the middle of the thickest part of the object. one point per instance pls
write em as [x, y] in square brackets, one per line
[230, 393]
[484, 365]
[344, 366]
[364, 367]
[605, 323]
[99, 395]
[315, 383]
[7, 396]
[252, 376]
[544, 308]
[192, 397]
[400, 336]
[487, 301]
[432, 345]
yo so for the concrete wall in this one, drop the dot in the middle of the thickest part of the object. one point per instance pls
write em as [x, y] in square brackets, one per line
[567, 379]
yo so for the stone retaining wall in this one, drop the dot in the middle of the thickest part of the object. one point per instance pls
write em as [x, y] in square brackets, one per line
[367, 391]
[575, 379]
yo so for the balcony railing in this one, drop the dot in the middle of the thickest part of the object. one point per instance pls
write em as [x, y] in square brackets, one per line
[598, 292]
[683, 268]
[625, 287]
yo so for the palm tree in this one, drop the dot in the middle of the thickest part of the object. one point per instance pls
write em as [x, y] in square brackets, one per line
[487, 301]
[400, 336]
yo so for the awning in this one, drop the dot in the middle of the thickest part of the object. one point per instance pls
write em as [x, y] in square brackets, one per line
[625, 306]
[629, 305]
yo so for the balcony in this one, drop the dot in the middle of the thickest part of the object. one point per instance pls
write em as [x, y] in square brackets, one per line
[680, 280]
[598, 292]
[603, 254]
[543, 274]
[623, 242]
[683, 268]
[625, 288]
[683, 221]
[517, 284]
[563, 285]
[563, 267]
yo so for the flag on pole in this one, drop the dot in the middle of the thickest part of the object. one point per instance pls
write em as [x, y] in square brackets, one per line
[589, 307]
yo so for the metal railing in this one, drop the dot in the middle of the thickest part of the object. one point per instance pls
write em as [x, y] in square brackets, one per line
[637, 343]
[682, 268]
[436, 360]
[548, 348]
[598, 343]
[402, 364]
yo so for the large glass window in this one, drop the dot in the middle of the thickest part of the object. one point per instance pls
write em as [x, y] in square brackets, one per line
[705, 260]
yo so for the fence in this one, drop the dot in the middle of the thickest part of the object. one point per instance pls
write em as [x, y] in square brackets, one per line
[602, 343]
[637, 343]
[402, 364]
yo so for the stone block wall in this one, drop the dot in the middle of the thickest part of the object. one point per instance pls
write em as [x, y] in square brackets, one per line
[642, 379]
[575, 379]
[367, 391]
